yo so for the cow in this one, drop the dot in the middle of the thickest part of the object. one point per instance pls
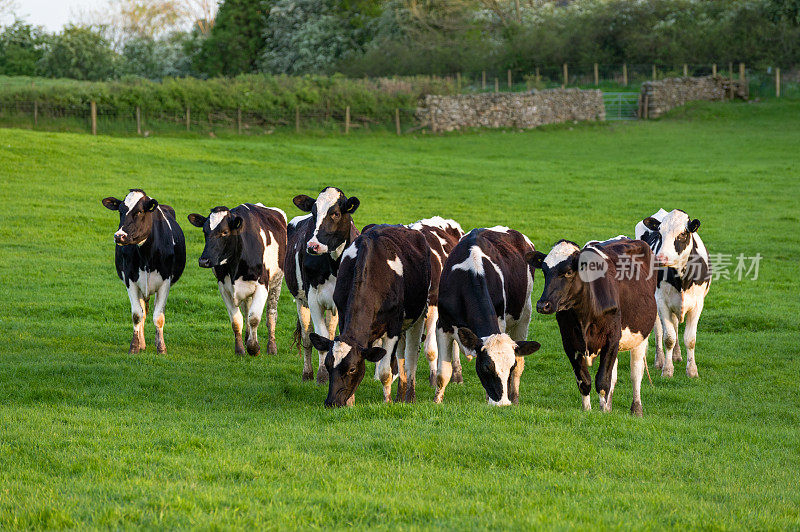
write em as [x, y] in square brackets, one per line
[485, 305]
[604, 302]
[245, 247]
[316, 242]
[150, 257]
[382, 297]
[684, 278]
[442, 236]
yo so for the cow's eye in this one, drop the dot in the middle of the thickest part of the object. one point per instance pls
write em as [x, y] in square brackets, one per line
[352, 370]
[569, 274]
[224, 233]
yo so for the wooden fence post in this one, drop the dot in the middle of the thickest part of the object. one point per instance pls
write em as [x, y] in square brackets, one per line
[566, 75]
[509, 78]
[483, 80]
[742, 75]
[347, 120]
[685, 70]
[646, 106]
[777, 82]
[93, 107]
[596, 75]
[655, 73]
[538, 75]
[625, 74]
[496, 85]
[138, 120]
[714, 69]
[297, 120]
[188, 119]
[35, 113]
[458, 81]
[730, 70]
[239, 121]
[397, 120]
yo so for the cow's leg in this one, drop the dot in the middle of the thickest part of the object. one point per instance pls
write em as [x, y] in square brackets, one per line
[254, 312]
[455, 359]
[605, 372]
[402, 377]
[321, 328]
[332, 321]
[575, 348]
[610, 399]
[690, 338]
[384, 367]
[145, 302]
[659, 362]
[235, 316]
[670, 325]
[431, 348]
[444, 370]
[518, 333]
[137, 317]
[273, 295]
[413, 338]
[304, 322]
[638, 362]
[158, 315]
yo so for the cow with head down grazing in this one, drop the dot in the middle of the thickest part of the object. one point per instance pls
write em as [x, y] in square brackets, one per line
[316, 242]
[150, 257]
[603, 299]
[684, 277]
[245, 247]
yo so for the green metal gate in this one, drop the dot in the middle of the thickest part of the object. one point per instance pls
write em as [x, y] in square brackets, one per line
[621, 105]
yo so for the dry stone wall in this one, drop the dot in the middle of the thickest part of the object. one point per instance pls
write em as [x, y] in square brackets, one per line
[663, 95]
[522, 110]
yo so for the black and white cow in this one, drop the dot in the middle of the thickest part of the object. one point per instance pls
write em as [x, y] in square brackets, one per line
[150, 257]
[485, 303]
[684, 277]
[603, 298]
[442, 236]
[245, 247]
[381, 295]
[316, 242]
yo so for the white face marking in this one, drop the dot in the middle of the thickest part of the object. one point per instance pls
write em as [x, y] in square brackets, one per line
[396, 265]
[351, 251]
[500, 348]
[297, 219]
[120, 233]
[215, 218]
[561, 252]
[327, 199]
[340, 351]
[132, 199]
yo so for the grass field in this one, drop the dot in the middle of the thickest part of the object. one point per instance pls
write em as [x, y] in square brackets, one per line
[93, 437]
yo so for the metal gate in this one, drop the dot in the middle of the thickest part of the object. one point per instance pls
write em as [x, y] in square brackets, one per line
[621, 105]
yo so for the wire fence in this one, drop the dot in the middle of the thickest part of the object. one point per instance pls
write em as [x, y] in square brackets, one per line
[144, 121]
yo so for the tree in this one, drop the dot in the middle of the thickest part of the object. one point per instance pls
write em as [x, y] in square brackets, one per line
[21, 48]
[78, 52]
[237, 39]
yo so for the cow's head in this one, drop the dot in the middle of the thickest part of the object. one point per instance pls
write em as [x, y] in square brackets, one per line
[345, 363]
[496, 358]
[135, 217]
[221, 230]
[332, 215]
[573, 275]
[675, 230]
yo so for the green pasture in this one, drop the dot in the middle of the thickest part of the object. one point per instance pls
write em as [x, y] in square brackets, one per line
[91, 437]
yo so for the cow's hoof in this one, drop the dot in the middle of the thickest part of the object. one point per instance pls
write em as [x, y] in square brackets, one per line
[401, 392]
[161, 350]
[691, 372]
[308, 375]
[272, 348]
[253, 350]
[676, 357]
[458, 377]
[322, 375]
[659, 362]
[438, 396]
[351, 400]
[667, 371]
[636, 409]
[411, 394]
[432, 379]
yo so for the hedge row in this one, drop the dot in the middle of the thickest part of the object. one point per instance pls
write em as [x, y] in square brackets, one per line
[251, 92]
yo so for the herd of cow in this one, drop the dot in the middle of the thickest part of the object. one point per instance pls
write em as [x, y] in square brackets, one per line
[390, 288]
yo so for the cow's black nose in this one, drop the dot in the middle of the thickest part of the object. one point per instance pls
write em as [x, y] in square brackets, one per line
[204, 262]
[544, 307]
[118, 239]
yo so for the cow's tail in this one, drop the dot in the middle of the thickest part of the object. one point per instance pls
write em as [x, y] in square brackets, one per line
[647, 369]
[297, 337]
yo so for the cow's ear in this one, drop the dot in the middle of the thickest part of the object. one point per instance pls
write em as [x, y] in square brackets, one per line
[526, 348]
[469, 339]
[694, 225]
[535, 258]
[236, 223]
[603, 295]
[351, 205]
[374, 354]
[111, 203]
[303, 202]
[651, 223]
[320, 343]
[197, 220]
[150, 205]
